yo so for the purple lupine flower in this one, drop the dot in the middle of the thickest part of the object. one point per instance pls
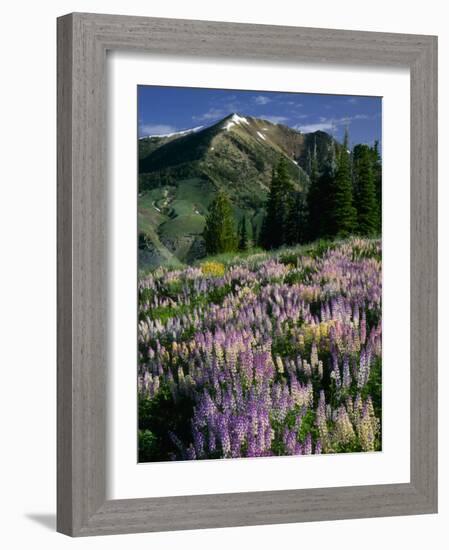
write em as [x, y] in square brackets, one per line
[363, 328]
[364, 369]
[223, 435]
[190, 453]
[211, 440]
[346, 372]
[335, 373]
[198, 441]
[308, 444]
[299, 449]
[290, 441]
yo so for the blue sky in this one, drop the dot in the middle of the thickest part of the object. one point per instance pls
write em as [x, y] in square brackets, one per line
[162, 110]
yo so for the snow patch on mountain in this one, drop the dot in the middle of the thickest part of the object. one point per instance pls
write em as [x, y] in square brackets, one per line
[180, 133]
[235, 119]
[261, 136]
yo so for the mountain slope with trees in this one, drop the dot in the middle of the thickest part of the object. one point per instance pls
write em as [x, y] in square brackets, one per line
[246, 181]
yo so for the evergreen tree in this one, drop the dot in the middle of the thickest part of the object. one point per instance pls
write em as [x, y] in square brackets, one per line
[314, 199]
[346, 196]
[297, 226]
[144, 241]
[309, 160]
[243, 235]
[344, 213]
[377, 174]
[275, 228]
[319, 199]
[219, 231]
[255, 231]
[365, 191]
[266, 237]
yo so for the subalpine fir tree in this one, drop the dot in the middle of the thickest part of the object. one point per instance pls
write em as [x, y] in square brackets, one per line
[275, 228]
[243, 234]
[314, 199]
[320, 196]
[377, 174]
[255, 232]
[297, 226]
[344, 213]
[365, 191]
[219, 232]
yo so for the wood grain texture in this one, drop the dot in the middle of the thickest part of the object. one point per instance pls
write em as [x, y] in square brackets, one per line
[424, 276]
[83, 40]
[64, 277]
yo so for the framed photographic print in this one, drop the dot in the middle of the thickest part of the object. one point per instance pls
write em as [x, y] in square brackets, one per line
[246, 274]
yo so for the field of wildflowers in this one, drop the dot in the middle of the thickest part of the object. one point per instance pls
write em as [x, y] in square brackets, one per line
[267, 355]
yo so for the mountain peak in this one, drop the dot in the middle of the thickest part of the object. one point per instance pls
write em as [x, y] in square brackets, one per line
[234, 119]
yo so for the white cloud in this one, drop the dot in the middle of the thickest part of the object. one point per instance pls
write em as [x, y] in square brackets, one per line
[262, 99]
[328, 124]
[156, 129]
[211, 114]
[308, 128]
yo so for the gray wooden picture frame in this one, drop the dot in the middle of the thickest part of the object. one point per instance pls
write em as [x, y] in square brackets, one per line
[83, 40]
